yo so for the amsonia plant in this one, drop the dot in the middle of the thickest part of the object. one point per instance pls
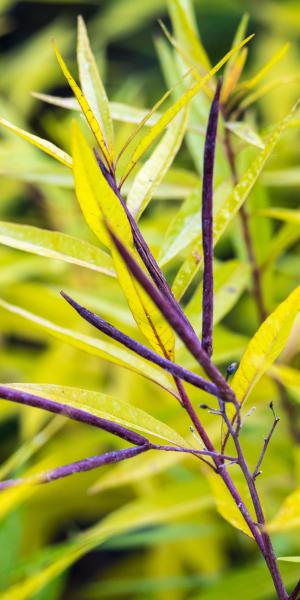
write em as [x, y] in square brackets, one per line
[114, 187]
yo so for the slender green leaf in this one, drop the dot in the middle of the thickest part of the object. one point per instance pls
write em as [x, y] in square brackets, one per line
[54, 244]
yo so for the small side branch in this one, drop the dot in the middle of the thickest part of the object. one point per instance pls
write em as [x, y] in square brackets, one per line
[295, 595]
[207, 224]
[80, 466]
[140, 349]
[266, 443]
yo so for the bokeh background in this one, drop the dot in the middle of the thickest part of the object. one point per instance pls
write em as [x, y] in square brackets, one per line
[194, 554]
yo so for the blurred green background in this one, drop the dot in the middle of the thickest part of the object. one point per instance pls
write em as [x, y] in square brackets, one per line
[191, 553]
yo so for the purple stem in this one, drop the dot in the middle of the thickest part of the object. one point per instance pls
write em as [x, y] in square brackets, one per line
[140, 349]
[86, 464]
[142, 246]
[265, 446]
[296, 592]
[188, 337]
[207, 223]
[77, 414]
[93, 462]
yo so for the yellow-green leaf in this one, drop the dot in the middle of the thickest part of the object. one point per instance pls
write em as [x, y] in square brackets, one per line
[92, 85]
[226, 505]
[295, 559]
[162, 506]
[86, 109]
[106, 407]
[44, 145]
[155, 168]
[288, 516]
[54, 244]
[245, 132]
[171, 112]
[282, 214]
[229, 208]
[266, 345]
[102, 348]
[251, 83]
[98, 202]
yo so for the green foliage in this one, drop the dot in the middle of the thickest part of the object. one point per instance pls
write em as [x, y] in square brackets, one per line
[56, 205]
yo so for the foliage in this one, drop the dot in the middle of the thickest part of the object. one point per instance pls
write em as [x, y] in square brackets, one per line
[73, 192]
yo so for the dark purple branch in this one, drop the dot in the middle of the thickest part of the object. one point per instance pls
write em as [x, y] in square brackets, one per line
[77, 414]
[140, 349]
[80, 466]
[207, 224]
[188, 337]
[296, 592]
[265, 446]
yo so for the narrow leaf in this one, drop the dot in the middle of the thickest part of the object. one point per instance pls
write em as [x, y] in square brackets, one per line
[171, 112]
[155, 168]
[86, 109]
[44, 145]
[266, 345]
[282, 214]
[98, 201]
[54, 244]
[92, 85]
[229, 208]
[105, 407]
[106, 350]
[245, 133]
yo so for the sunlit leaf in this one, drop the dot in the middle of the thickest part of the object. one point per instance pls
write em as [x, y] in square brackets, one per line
[92, 85]
[226, 505]
[44, 145]
[282, 214]
[288, 516]
[86, 109]
[251, 83]
[230, 280]
[153, 171]
[229, 208]
[106, 407]
[54, 244]
[172, 502]
[171, 112]
[266, 345]
[295, 559]
[245, 132]
[102, 348]
[98, 201]
[235, 64]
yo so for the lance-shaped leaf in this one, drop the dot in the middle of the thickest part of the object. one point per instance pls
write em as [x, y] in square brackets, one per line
[229, 208]
[166, 505]
[288, 516]
[171, 112]
[106, 350]
[282, 214]
[105, 407]
[40, 143]
[54, 244]
[98, 201]
[77, 412]
[266, 345]
[155, 168]
[92, 85]
[245, 132]
[86, 109]
[226, 505]
[251, 83]
[236, 63]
